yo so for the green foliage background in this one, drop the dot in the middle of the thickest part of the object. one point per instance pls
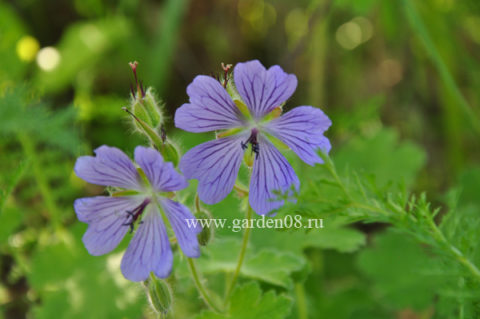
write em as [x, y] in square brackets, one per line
[400, 81]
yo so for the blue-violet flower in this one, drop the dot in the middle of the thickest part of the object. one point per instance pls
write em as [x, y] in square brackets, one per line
[142, 196]
[251, 118]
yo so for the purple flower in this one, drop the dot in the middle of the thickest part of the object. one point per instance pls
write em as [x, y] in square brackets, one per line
[251, 120]
[143, 192]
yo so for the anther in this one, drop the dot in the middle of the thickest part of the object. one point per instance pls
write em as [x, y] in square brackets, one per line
[133, 215]
[253, 141]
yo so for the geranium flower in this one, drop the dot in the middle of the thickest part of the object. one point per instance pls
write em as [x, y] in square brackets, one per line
[251, 120]
[141, 193]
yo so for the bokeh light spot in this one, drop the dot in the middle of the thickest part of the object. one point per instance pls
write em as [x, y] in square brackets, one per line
[365, 26]
[354, 32]
[27, 48]
[390, 72]
[349, 35]
[472, 25]
[48, 58]
[296, 25]
[93, 37]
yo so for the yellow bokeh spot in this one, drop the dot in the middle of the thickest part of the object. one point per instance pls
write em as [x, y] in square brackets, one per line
[27, 48]
[353, 33]
[365, 26]
[48, 58]
[349, 35]
[296, 25]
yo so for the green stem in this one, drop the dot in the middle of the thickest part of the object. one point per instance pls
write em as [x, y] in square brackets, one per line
[333, 171]
[201, 289]
[42, 182]
[454, 251]
[419, 27]
[301, 301]
[241, 257]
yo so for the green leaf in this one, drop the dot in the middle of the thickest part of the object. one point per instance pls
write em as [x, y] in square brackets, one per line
[402, 273]
[10, 220]
[460, 225]
[12, 182]
[469, 183]
[271, 266]
[382, 156]
[345, 240]
[20, 115]
[63, 273]
[248, 302]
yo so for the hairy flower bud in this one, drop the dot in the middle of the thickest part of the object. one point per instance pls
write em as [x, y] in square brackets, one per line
[207, 233]
[144, 104]
[146, 108]
[159, 294]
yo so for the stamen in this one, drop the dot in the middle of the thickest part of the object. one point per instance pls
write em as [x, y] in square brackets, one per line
[253, 141]
[134, 214]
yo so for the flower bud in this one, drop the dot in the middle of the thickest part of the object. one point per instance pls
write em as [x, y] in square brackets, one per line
[169, 152]
[159, 294]
[146, 108]
[144, 104]
[207, 233]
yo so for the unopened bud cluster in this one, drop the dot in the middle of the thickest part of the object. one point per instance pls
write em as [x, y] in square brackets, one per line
[147, 117]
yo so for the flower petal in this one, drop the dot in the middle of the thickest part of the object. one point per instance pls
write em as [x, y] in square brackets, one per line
[149, 249]
[210, 107]
[302, 130]
[180, 218]
[263, 90]
[106, 217]
[162, 175]
[110, 167]
[271, 172]
[215, 164]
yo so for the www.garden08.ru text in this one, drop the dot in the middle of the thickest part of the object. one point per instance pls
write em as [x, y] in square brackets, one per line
[238, 224]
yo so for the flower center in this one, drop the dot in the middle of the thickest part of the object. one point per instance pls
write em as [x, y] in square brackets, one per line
[134, 214]
[252, 140]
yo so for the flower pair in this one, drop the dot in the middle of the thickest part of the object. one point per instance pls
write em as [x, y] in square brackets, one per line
[248, 116]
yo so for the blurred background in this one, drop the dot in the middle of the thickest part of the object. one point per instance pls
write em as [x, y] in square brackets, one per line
[399, 79]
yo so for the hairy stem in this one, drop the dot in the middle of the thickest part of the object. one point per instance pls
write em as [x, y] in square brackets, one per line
[241, 257]
[453, 251]
[201, 289]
